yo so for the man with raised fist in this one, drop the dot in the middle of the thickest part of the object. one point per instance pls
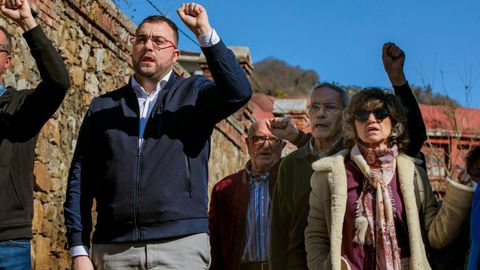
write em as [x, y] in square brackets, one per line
[143, 150]
[22, 115]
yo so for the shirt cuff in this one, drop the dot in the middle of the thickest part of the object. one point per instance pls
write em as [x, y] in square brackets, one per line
[461, 186]
[78, 251]
[208, 39]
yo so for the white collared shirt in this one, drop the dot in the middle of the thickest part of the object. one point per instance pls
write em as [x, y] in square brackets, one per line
[146, 102]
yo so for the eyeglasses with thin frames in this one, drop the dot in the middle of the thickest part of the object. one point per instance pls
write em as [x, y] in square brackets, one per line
[379, 114]
[158, 42]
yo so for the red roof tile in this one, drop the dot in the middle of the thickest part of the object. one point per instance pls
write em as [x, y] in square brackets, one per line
[262, 105]
[452, 119]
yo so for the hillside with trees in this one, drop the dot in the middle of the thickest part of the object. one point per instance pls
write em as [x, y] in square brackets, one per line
[277, 78]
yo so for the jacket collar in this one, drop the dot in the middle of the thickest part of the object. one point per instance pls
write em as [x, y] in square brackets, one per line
[406, 175]
[131, 100]
[2, 89]
[272, 178]
[252, 177]
[7, 96]
[405, 169]
[307, 152]
[140, 91]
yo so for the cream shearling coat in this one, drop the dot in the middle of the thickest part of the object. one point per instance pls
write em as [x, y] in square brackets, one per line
[425, 222]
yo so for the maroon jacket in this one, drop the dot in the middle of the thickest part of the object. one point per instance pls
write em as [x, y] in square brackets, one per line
[227, 217]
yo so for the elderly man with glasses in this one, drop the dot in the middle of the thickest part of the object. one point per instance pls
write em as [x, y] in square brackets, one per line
[22, 115]
[290, 205]
[143, 150]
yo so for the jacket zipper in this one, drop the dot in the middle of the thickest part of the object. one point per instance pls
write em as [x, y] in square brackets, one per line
[374, 257]
[189, 181]
[136, 184]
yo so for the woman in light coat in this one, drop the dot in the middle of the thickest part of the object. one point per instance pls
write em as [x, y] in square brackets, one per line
[371, 206]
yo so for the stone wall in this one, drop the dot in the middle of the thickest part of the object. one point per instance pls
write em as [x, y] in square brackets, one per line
[92, 37]
[229, 151]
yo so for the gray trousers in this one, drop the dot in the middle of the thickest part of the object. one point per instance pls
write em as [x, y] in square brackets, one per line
[190, 252]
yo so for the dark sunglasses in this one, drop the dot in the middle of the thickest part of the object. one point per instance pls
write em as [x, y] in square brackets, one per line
[379, 114]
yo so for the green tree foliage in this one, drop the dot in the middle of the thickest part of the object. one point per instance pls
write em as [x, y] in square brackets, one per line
[425, 95]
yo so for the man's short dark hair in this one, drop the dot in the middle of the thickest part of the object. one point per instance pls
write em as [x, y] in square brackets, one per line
[159, 18]
[336, 88]
[8, 39]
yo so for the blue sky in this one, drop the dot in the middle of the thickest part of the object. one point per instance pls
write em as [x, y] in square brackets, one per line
[342, 39]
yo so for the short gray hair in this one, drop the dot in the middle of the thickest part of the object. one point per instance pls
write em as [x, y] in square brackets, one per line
[336, 88]
[8, 38]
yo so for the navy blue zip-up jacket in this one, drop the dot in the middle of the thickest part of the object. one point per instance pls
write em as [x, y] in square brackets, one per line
[158, 190]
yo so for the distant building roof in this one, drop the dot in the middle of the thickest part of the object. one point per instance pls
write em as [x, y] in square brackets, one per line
[451, 119]
[290, 105]
[262, 106]
[191, 60]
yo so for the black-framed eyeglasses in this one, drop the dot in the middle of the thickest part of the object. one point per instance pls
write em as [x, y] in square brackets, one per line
[4, 48]
[379, 114]
[259, 141]
[327, 107]
[158, 42]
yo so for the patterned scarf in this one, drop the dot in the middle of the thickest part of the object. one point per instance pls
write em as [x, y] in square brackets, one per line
[378, 229]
